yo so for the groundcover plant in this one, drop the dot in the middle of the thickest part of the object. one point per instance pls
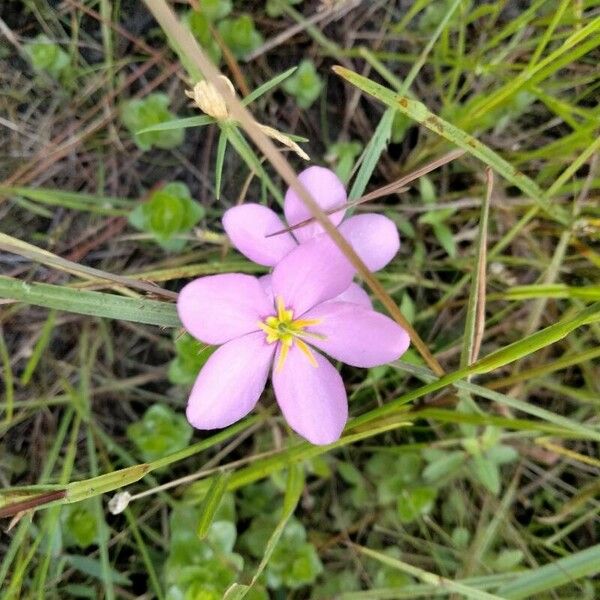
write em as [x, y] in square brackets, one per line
[221, 373]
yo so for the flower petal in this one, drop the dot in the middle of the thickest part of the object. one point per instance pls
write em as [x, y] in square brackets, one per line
[328, 192]
[356, 295]
[231, 382]
[374, 237]
[265, 283]
[248, 225]
[356, 335]
[310, 274]
[219, 308]
[312, 399]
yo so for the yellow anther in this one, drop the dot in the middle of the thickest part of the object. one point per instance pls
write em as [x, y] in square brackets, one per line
[307, 352]
[285, 348]
[283, 329]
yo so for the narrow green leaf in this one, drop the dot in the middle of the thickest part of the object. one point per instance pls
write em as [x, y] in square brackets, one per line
[199, 121]
[39, 348]
[103, 205]
[93, 568]
[554, 290]
[237, 140]
[293, 490]
[97, 304]
[563, 571]
[267, 86]
[221, 148]
[372, 153]
[435, 580]
[211, 502]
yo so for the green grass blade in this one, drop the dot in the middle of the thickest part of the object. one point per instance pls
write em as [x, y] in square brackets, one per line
[220, 161]
[211, 502]
[39, 348]
[97, 304]
[237, 140]
[421, 114]
[563, 571]
[185, 123]
[261, 90]
[102, 205]
[372, 153]
[293, 491]
[476, 302]
[427, 577]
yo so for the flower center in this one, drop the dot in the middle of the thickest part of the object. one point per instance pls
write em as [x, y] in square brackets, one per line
[286, 330]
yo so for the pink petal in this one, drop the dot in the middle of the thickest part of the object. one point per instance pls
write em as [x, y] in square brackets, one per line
[219, 308]
[356, 295]
[356, 335]
[312, 399]
[247, 226]
[231, 382]
[374, 237]
[310, 274]
[265, 283]
[328, 192]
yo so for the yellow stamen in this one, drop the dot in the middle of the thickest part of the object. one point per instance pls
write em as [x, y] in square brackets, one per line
[283, 329]
[306, 351]
[285, 348]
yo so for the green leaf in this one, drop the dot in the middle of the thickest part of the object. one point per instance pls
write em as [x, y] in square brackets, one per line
[400, 125]
[93, 568]
[185, 123]
[267, 86]
[439, 584]
[372, 153]
[486, 472]
[305, 84]
[343, 155]
[446, 238]
[565, 570]
[169, 212]
[461, 537]
[95, 203]
[160, 432]
[444, 466]
[140, 114]
[240, 35]
[302, 567]
[426, 189]
[220, 161]
[79, 524]
[45, 55]
[407, 307]
[502, 454]
[191, 357]
[216, 9]
[415, 502]
[98, 304]
[199, 23]
[507, 560]
[211, 503]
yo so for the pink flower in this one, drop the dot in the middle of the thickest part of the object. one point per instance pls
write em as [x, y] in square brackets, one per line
[374, 237]
[278, 324]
